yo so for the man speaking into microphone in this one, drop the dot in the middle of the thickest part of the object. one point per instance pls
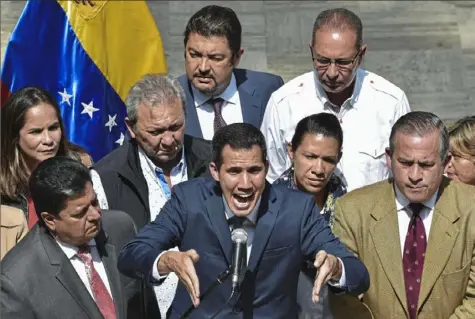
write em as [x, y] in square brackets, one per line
[283, 227]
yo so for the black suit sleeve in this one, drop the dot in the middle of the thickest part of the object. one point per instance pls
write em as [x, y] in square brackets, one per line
[138, 256]
[12, 305]
[316, 235]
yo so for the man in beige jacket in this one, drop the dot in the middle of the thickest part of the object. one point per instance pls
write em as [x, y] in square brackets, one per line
[387, 225]
[13, 228]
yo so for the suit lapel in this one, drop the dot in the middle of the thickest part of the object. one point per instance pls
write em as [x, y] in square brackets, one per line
[109, 260]
[385, 235]
[268, 211]
[193, 126]
[215, 211]
[250, 103]
[442, 236]
[137, 181]
[68, 276]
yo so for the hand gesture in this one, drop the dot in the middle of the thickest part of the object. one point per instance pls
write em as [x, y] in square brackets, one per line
[183, 265]
[328, 268]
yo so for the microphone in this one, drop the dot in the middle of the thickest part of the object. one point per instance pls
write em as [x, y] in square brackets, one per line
[239, 238]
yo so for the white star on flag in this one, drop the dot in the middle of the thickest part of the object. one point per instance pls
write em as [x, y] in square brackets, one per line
[65, 97]
[89, 108]
[120, 141]
[111, 123]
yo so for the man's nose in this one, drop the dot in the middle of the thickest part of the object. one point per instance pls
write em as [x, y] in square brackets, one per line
[94, 214]
[245, 181]
[415, 173]
[167, 139]
[332, 71]
[204, 65]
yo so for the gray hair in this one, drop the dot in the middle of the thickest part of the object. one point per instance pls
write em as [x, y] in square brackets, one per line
[339, 19]
[153, 90]
[419, 123]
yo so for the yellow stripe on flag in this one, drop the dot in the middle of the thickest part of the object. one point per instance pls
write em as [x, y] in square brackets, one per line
[121, 37]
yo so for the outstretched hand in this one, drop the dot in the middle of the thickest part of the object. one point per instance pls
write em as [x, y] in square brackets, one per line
[328, 268]
[183, 265]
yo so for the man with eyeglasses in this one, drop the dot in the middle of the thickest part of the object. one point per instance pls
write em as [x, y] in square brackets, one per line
[366, 104]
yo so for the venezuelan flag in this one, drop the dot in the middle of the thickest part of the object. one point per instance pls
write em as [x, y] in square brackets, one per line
[88, 57]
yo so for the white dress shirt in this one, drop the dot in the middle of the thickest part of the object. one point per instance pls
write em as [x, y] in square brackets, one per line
[404, 215]
[366, 119]
[165, 292]
[78, 265]
[230, 110]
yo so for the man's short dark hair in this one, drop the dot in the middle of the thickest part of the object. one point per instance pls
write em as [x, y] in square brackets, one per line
[216, 21]
[339, 19]
[55, 181]
[239, 136]
[419, 123]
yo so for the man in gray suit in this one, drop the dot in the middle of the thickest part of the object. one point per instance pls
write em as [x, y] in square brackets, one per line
[65, 267]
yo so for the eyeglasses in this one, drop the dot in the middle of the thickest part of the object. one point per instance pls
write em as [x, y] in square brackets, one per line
[322, 62]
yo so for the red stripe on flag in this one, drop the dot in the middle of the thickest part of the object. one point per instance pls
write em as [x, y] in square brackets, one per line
[5, 93]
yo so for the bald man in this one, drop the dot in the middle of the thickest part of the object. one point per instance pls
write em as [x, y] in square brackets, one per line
[366, 104]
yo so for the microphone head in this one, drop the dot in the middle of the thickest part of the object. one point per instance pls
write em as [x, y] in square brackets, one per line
[239, 236]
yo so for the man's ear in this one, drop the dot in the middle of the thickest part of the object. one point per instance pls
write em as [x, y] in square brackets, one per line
[362, 53]
[214, 171]
[340, 155]
[48, 219]
[130, 127]
[237, 57]
[388, 158]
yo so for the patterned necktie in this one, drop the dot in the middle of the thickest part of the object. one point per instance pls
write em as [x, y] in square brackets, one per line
[218, 117]
[102, 297]
[413, 258]
[236, 222]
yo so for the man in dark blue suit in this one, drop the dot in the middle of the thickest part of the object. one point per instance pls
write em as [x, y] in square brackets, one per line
[218, 93]
[284, 230]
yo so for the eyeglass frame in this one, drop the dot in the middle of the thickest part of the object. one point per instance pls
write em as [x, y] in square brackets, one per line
[336, 61]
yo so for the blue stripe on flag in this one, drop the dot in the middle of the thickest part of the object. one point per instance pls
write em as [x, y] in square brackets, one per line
[44, 51]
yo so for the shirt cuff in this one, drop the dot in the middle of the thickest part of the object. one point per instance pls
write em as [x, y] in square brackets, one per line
[155, 274]
[342, 282]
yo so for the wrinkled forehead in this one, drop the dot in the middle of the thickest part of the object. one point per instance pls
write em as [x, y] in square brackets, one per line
[335, 43]
[414, 145]
[170, 111]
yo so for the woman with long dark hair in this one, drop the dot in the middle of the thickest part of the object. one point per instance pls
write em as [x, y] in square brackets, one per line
[32, 131]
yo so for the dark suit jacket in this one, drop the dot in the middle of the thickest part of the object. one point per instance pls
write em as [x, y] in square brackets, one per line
[289, 230]
[124, 182]
[38, 280]
[255, 89]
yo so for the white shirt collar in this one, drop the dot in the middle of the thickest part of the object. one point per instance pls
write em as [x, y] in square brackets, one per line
[230, 94]
[402, 202]
[71, 250]
[252, 216]
[322, 95]
[180, 167]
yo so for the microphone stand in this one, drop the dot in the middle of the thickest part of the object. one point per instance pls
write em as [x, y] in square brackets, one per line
[221, 278]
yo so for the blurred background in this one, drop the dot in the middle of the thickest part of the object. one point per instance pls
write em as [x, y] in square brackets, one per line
[425, 47]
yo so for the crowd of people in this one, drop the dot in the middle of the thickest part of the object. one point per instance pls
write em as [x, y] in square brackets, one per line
[354, 206]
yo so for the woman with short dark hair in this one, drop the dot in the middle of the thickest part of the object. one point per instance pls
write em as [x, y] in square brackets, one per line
[315, 151]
